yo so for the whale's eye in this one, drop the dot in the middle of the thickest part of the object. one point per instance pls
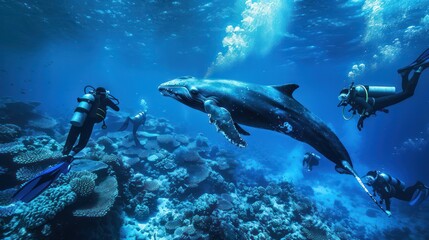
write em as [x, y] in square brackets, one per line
[193, 91]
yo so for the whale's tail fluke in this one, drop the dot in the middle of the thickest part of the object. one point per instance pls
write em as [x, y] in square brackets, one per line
[347, 166]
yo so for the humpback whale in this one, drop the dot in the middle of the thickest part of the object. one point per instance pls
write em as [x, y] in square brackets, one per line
[230, 103]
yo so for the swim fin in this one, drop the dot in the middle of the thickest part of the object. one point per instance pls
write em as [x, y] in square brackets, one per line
[419, 196]
[42, 181]
[125, 124]
[423, 59]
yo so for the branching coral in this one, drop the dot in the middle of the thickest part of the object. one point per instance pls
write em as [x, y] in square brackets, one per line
[35, 156]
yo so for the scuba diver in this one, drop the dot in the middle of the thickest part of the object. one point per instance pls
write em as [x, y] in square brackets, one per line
[137, 120]
[310, 160]
[388, 187]
[91, 109]
[367, 100]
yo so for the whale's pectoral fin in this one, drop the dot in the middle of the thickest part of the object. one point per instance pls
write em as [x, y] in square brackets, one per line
[222, 119]
[241, 130]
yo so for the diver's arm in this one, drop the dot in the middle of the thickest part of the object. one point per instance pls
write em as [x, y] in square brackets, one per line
[112, 105]
[360, 122]
[363, 106]
[387, 200]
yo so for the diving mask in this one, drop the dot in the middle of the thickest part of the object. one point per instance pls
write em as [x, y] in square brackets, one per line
[343, 97]
[368, 180]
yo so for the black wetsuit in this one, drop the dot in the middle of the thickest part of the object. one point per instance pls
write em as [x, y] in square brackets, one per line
[98, 108]
[138, 120]
[366, 109]
[387, 187]
[310, 160]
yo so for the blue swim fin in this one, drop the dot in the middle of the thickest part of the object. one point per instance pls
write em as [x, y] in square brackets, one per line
[422, 60]
[419, 196]
[42, 181]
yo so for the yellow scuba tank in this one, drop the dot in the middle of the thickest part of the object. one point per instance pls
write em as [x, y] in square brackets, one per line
[82, 110]
[374, 91]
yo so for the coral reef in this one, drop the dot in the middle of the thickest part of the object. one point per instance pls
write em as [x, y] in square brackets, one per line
[105, 195]
[173, 187]
[47, 206]
[35, 156]
[26, 173]
[168, 142]
[108, 144]
[9, 132]
[83, 186]
[24, 114]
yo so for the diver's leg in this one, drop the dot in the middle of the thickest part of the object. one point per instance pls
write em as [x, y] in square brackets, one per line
[84, 136]
[407, 195]
[136, 140]
[71, 139]
[408, 86]
[404, 77]
[135, 128]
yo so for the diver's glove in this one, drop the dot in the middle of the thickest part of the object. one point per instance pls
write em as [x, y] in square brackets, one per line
[389, 214]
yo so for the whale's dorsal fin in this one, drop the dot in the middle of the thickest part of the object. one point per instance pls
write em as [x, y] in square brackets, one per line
[287, 89]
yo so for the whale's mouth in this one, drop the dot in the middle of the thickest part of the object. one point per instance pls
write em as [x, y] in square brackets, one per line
[179, 93]
[167, 92]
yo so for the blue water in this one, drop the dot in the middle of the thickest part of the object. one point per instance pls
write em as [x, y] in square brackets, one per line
[49, 50]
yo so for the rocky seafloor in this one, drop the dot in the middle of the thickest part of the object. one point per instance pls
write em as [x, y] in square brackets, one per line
[172, 187]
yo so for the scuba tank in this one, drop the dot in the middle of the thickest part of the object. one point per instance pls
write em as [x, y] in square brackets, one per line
[374, 91]
[82, 109]
[89, 105]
